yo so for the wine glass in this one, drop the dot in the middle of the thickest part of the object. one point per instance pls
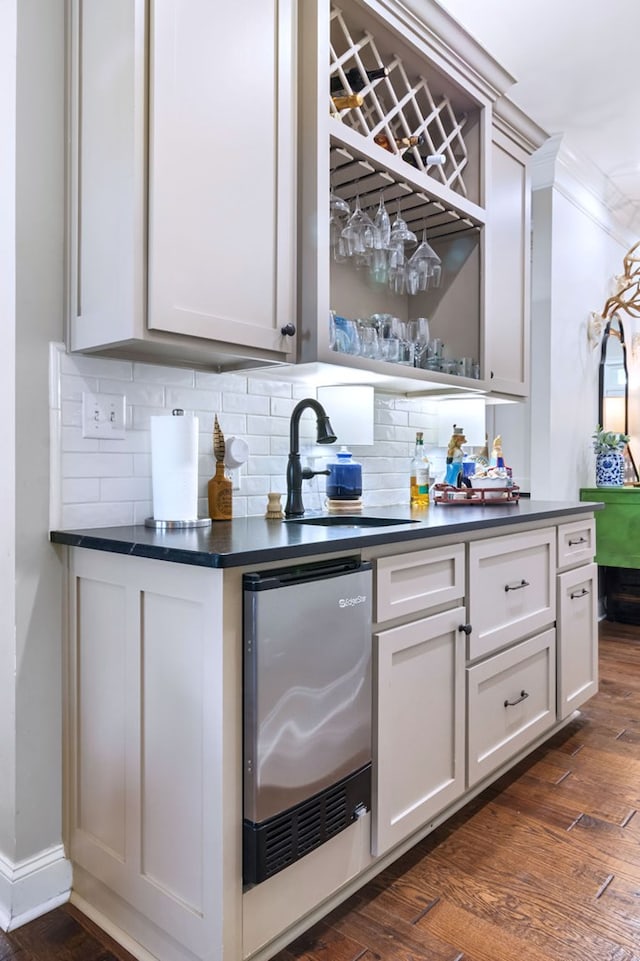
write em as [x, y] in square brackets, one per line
[359, 233]
[427, 264]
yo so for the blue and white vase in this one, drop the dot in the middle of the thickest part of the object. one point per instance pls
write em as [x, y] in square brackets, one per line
[610, 469]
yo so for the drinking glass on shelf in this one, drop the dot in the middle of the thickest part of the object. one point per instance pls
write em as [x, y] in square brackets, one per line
[418, 331]
[369, 346]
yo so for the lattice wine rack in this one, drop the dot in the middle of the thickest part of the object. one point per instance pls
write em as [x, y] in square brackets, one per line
[397, 106]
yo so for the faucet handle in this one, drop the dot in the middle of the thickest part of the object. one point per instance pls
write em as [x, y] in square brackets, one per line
[307, 473]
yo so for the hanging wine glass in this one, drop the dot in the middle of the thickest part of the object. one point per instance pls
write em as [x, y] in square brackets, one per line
[383, 224]
[359, 234]
[400, 232]
[427, 264]
[339, 212]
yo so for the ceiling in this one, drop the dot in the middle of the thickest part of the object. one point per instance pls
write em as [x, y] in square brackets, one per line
[576, 69]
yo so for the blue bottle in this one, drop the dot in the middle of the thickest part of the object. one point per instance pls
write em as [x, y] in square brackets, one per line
[344, 482]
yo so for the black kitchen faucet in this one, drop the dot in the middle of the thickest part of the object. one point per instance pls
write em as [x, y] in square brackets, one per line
[295, 472]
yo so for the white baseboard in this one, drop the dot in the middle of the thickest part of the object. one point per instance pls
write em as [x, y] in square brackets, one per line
[32, 887]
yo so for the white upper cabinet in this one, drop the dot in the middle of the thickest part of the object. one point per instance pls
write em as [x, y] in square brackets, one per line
[183, 180]
[514, 138]
[440, 87]
[204, 144]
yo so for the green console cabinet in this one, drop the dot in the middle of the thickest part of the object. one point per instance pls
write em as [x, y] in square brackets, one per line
[617, 526]
[618, 548]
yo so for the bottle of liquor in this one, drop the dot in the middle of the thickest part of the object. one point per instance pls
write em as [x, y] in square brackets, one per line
[419, 475]
[348, 102]
[356, 80]
[402, 143]
[219, 488]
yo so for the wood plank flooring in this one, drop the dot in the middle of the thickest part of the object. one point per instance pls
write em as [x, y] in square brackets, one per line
[543, 866]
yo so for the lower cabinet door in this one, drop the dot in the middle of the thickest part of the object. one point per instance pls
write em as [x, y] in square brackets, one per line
[577, 637]
[418, 748]
[511, 700]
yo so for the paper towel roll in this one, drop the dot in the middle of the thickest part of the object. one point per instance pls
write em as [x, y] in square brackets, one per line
[174, 468]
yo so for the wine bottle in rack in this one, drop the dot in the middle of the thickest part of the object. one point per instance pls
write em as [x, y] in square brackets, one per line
[402, 143]
[348, 102]
[356, 80]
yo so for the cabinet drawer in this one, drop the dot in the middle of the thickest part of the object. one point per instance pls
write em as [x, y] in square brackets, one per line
[577, 632]
[418, 581]
[511, 589]
[511, 701]
[576, 543]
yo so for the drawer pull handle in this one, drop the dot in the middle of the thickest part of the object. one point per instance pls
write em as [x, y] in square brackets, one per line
[578, 540]
[580, 593]
[466, 628]
[523, 696]
[516, 587]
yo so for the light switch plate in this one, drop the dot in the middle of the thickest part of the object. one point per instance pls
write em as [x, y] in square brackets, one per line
[103, 415]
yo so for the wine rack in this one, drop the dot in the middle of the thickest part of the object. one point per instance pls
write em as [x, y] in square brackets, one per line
[405, 103]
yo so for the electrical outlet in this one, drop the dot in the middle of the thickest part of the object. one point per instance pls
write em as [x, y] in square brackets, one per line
[103, 415]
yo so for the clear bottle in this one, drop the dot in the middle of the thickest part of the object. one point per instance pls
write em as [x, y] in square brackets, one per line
[420, 475]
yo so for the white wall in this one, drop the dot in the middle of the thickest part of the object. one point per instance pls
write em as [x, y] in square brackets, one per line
[577, 251]
[8, 26]
[33, 871]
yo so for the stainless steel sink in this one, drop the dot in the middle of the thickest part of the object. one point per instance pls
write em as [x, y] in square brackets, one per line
[349, 520]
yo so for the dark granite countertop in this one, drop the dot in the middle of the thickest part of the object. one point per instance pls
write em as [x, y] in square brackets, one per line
[254, 540]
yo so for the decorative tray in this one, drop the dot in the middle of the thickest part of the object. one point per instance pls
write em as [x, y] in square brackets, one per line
[472, 496]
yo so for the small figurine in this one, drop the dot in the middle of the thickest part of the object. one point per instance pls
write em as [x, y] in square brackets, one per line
[455, 456]
[497, 457]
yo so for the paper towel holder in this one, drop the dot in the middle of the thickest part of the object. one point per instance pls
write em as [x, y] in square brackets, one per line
[161, 525]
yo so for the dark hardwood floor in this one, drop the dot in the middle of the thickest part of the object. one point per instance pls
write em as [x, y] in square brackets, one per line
[543, 866]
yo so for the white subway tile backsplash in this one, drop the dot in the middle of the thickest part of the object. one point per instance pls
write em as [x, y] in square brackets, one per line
[169, 376]
[247, 403]
[72, 387]
[272, 388]
[125, 489]
[192, 399]
[96, 366]
[108, 483]
[79, 490]
[72, 440]
[75, 516]
[97, 465]
[222, 382]
[137, 394]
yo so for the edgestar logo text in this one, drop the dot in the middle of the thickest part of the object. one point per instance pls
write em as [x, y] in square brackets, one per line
[352, 601]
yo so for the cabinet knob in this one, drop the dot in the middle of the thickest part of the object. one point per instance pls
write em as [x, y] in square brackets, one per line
[465, 628]
[288, 330]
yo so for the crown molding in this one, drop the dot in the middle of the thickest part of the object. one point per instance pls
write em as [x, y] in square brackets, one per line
[578, 179]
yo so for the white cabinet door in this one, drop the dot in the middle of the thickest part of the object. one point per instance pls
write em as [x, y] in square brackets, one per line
[577, 637]
[145, 748]
[222, 171]
[418, 751]
[508, 269]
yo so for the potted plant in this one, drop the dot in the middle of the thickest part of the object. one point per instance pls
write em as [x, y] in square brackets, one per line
[609, 446]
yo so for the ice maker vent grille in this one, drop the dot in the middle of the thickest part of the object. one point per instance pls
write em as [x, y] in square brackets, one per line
[273, 845]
